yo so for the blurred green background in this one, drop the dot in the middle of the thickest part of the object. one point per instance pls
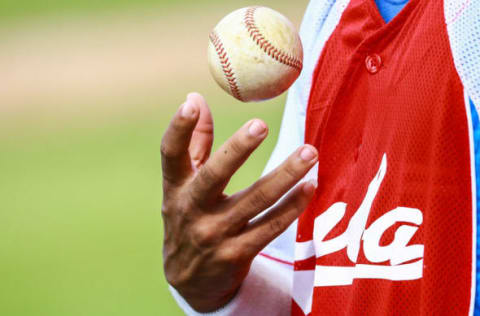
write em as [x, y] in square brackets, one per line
[86, 91]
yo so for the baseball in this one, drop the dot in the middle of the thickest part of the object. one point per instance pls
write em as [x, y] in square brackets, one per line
[255, 53]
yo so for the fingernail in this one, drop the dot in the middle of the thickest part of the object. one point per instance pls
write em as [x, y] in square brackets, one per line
[310, 187]
[192, 94]
[188, 110]
[256, 128]
[307, 154]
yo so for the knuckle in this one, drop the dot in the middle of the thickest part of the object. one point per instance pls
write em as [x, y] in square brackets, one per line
[260, 199]
[168, 181]
[176, 125]
[168, 204]
[187, 209]
[276, 226]
[231, 255]
[300, 204]
[177, 207]
[237, 146]
[208, 176]
[290, 172]
[166, 150]
[195, 198]
[166, 210]
[205, 235]
[169, 207]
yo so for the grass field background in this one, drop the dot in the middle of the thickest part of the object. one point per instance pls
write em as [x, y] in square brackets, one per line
[86, 92]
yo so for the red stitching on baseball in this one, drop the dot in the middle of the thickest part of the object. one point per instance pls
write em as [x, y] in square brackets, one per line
[265, 45]
[226, 65]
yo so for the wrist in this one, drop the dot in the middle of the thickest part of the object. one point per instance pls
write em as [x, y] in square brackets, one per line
[207, 302]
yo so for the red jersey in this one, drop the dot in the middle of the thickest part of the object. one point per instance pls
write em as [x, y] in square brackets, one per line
[389, 231]
[392, 228]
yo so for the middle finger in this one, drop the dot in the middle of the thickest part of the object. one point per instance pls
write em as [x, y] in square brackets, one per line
[214, 175]
[269, 189]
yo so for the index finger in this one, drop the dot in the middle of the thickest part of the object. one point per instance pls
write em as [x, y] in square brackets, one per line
[176, 163]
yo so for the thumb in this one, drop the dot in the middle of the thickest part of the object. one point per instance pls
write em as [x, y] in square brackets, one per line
[202, 137]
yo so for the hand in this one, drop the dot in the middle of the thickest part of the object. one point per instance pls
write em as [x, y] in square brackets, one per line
[210, 238]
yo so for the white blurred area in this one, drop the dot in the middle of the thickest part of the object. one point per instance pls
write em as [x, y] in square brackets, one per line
[57, 63]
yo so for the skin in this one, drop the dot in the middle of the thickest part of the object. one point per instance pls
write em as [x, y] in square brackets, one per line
[211, 238]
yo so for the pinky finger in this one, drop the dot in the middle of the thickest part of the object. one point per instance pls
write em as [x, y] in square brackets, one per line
[262, 230]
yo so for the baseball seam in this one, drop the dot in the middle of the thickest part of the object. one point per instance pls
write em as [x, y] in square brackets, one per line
[266, 45]
[226, 65]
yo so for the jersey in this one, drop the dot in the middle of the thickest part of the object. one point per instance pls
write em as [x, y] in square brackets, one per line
[391, 228]
[383, 208]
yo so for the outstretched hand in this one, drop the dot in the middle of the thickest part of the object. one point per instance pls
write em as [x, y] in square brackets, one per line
[210, 238]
